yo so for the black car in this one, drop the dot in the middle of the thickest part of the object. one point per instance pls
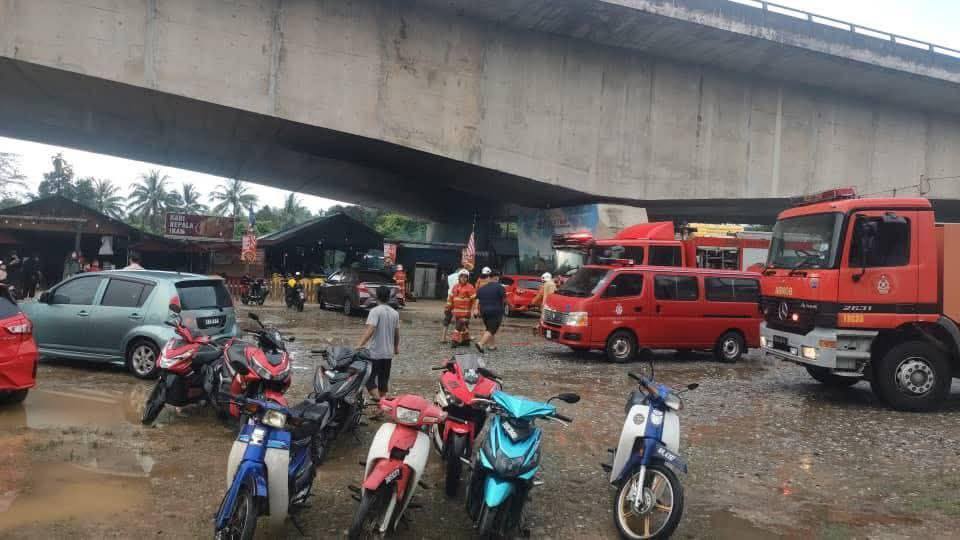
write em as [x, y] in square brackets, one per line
[353, 290]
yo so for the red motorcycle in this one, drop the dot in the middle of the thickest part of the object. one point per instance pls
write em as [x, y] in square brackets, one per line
[258, 371]
[190, 367]
[464, 379]
[395, 464]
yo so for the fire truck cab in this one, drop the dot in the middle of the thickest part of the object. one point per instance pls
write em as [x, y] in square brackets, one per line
[854, 289]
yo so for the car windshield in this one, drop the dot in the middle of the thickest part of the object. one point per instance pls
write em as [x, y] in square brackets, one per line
[203, 295]
[805, 241]
[584, 283]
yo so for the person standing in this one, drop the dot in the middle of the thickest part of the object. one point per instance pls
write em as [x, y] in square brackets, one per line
[461, 303]
[452, 280]
[382, 332]
[491, 298]
[72, 265]
[549, 287]
[134, 264]
[29, 276]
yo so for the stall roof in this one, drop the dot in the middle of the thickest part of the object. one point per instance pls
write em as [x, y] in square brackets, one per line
[336, 231]
[60, 213]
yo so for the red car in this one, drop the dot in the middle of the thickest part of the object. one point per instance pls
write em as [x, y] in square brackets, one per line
[520, 290]
[18, 351]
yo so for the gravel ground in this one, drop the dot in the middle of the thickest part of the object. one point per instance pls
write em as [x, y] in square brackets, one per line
[772, 453]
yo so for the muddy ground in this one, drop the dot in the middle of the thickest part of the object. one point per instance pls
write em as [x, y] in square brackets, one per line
[772, 453]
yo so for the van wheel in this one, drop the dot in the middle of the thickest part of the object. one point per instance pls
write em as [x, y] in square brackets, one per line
[730, 347]
[142, 358]
[621, 347]
[913, 376]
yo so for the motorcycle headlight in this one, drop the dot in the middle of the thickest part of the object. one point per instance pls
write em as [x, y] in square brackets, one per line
[275, 419]
[407, 416]
[507, 466]
[673, 401]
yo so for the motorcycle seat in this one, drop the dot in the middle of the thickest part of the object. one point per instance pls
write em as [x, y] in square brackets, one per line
[237, 351]
[310, 411]
[207, 355]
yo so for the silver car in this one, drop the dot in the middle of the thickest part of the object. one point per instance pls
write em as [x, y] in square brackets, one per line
[118, 316]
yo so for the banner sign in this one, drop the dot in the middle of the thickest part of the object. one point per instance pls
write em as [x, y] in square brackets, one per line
[389, 254]
[248, 249]
[196, 226]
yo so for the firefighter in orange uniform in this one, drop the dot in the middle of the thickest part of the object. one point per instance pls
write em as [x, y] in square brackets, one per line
[400, 278]
[460, 303]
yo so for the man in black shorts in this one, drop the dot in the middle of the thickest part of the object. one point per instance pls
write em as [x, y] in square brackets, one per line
[383, 334]
[491, 297]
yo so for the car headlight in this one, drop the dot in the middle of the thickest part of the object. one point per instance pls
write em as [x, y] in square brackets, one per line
[673, 401]
[275, 419]
[577, 318]
[407, 416]
[810, 353]
[763, 341]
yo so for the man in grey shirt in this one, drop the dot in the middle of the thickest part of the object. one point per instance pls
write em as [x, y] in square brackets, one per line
[383, 335]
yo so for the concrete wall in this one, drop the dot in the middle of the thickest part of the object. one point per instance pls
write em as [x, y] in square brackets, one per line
[606, 121]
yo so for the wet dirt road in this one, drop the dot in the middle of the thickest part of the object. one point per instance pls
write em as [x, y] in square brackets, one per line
[772, 453]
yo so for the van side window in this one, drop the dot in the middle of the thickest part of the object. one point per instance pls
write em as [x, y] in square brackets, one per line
[732, 289]
[892, 249]
[676, 288]
[665, 256]
[625, 285]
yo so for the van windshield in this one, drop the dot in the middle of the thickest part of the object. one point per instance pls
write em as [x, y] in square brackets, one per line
[584, 283]
[805, 241]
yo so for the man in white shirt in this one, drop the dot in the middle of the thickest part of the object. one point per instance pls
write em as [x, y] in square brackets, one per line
[134, 264]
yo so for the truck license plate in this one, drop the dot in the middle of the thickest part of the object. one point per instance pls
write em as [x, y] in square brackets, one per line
[780, 342]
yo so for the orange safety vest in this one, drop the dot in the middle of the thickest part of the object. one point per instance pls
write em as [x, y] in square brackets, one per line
[461, 300]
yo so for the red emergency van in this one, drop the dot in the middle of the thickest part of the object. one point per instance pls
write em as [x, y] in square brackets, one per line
[621, 309]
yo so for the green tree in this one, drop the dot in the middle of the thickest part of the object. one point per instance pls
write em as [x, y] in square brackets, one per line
[150, 198]
[292, 213]
[267, 220]
[85, 192]
[59, 181]
[190, 200]
[399, 227]
[232, 198]
[9, 202]
[107, 198]
[10, 175]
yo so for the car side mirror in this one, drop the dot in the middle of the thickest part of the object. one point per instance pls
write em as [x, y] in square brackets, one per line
[567, 397]
[693, 386]
[45, 297]
[174, 308]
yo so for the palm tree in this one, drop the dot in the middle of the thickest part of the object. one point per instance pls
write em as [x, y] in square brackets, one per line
[151, 199]
[10, 174]
[190, 200]
[232, 196]
[107, 199]
[292, 213]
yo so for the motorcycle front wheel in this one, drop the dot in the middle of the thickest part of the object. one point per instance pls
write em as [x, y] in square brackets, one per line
[660, 508]
[370, 513]
[155, 403]
[456, 449]
[243, 518]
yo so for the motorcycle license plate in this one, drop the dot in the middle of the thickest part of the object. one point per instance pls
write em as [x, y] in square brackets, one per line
[209, 322]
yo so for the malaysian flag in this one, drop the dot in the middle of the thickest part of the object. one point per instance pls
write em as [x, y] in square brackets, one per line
[469, 254]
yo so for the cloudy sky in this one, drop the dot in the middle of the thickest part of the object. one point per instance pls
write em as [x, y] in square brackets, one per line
[928, 20]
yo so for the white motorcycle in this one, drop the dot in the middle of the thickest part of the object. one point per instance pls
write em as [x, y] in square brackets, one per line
[649, 499]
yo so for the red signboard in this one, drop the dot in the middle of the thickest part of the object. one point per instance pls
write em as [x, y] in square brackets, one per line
[248, 249]
[389, 254]
[195, 226]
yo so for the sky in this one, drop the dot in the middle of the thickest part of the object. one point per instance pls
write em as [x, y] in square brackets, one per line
[932, 21]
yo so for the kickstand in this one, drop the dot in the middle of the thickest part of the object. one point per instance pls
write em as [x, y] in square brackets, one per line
[296, 525]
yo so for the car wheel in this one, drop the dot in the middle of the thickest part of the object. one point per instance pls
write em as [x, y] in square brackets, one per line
[323, 304]
[730, 347]
[142, 358]
[13, 396]
[621, 347]
[347, 307]
[507, 312]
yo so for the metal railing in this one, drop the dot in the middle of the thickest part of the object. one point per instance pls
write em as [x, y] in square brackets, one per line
[851, 27]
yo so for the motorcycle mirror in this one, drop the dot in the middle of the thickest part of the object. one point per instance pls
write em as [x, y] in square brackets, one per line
[693, 386]
[174, 308]
[240, 367]
[291, 339]
[568, 397]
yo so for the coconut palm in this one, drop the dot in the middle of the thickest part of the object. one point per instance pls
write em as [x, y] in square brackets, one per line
[10, 174]
[107, 199]
[232, 197]
[150, 198]
[190, 200]
[292, 213]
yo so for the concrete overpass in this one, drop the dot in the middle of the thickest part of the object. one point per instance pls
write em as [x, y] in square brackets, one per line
[440, 107]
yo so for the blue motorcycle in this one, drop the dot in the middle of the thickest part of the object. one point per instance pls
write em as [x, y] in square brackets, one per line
[503, 471]
[648, 503]
[271, 466]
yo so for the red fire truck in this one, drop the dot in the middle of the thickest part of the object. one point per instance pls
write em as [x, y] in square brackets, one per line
[860, 289]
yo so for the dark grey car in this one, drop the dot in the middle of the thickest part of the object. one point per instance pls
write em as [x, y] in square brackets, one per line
[118, 316]
[354, 290]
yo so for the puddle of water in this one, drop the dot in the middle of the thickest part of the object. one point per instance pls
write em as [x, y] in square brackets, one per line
[727, 525]
[44, 409]
[60, 491]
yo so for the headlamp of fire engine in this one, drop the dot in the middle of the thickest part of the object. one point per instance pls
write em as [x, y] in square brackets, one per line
[577, 318]
[275, 419]
[407, 416]
[763, 341]
[810, 353]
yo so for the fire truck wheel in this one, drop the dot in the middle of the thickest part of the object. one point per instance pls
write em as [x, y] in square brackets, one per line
[730, 347]
[824, 376]
[621, 347]
[913, 376]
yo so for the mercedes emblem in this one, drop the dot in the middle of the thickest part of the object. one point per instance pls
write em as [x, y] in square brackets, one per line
[784, 311]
